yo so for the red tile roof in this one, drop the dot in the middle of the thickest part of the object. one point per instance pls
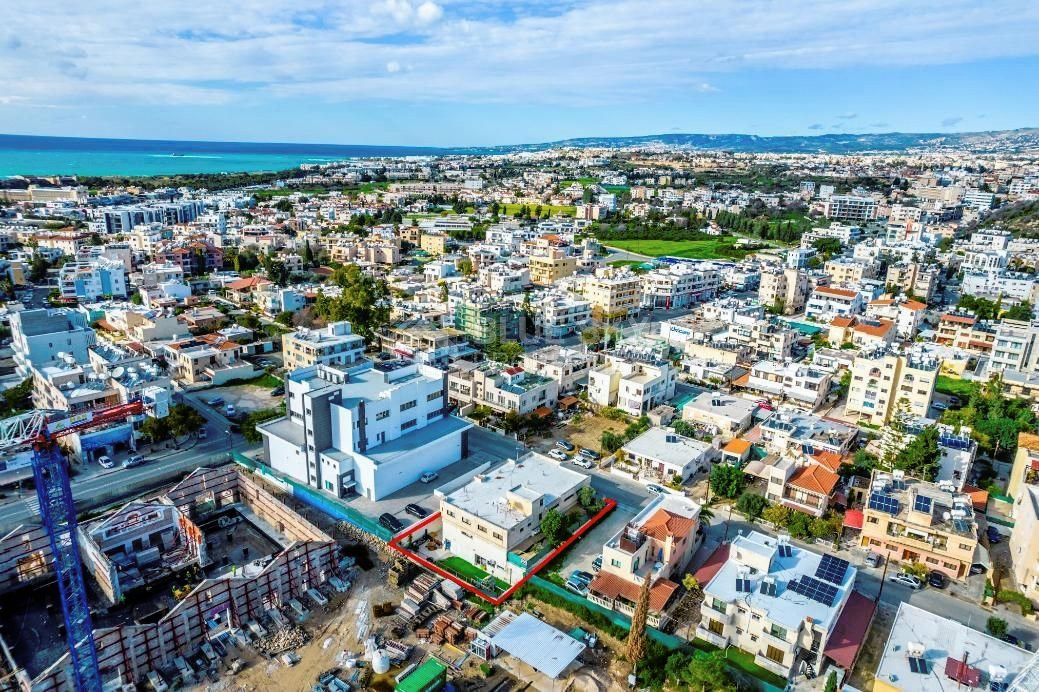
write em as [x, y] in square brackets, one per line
[831, 460]
[663, 524]
[853, 519]
[712, 565]
[880, 329]
[243, 284]
[842, 321]
[815, 479]
[962, 319]
[737, 446]
[843, 293]
[612, 586]
[842, 647]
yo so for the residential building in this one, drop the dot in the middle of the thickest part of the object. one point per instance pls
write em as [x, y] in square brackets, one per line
[1004, 285]
[494, 520]
[850, 271]
[907, 315]
[567, 366]
[487, 322]
[613, 293]
[500, 387]
[333, 344]
[633, 385]
[553, 265]
[92, 280]
[731, 416]
[240, 291]
[656, 544]
[434, 243]
[795, 383]
[1025, 470]
[827, 302]
[681, 284]
[501, 278]
[208, 359]
[850, 208]
[194, 257]
[965, 332]
[801, 481]
[794, 431]
[882, 379]
[911, 521]
[984, 261]
[272, 299]
[926, 651]
[43, 336]
[369, 429]
[1014, 347]
[914, 278]
[1024, 541]
[784, 290]
[123, 219]
[559, 315]
[660, 455]
[425, 343]
[779, 602]
[142, 325]
[862, 332]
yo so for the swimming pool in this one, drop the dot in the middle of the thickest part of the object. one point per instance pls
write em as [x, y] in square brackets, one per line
[686, 396]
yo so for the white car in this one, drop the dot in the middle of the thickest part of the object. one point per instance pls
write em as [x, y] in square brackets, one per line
[907, 580]
[106, 462]
[428, 477]
[230, 410]
[557, 454]
[583, 462]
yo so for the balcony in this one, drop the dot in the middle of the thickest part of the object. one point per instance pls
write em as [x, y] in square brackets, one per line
[719, 640]
[769, 664]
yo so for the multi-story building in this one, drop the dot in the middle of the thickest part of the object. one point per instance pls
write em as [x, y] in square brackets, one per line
[862, 332]
[633, 385]
[434, 243]
[500, 387]
[1014, 347]
[155, 273]
[881, 380]
[208, 359]
[657, 545]
[795, 383]
[501, 278]
[826, 302]
[1025, 470]
[907, 315]
[798, 432]
[371, 429]
[559, 315]
[786, 290]
[914, 278]
[965, 332]
[985, 260]
[272, 299]
[850, 208]
[487, 322]
[551, 266]
[567, 366]
[912, 521]
[123, 219]
[613, 292]
[850, 271]
[681, 284]
[195, 257]
[776, 601]
[729, 415]
[425, 343]
[1024, 541]
[92, 279]
[661, 455]
[494, 520]
[799, 481]
[333, 344]
[41, 336]
[1001, 285]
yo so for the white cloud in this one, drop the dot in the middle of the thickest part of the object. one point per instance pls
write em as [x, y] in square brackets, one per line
[393, 66]
[429, 12]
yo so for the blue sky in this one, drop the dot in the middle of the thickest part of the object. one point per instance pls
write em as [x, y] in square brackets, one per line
[477, 72]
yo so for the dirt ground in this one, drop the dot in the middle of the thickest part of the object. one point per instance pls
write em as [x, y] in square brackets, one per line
[588, 432]
[246, 397]
[872, 649]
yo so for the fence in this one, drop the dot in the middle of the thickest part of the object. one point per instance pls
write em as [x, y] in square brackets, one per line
[319, 501]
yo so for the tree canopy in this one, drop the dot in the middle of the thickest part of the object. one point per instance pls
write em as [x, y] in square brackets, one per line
[364, 302]
[727, 480]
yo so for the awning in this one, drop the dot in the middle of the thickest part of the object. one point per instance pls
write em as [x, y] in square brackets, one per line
[961, 672]
[568, 401]
[541, 412]
[842, 646]
[712, 565]
[853, 519]
[981, 556]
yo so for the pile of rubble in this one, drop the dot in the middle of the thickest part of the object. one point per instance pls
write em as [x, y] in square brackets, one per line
[374, 542]
[283, 640]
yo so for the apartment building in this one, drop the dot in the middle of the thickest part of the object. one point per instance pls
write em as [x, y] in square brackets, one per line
[681, 284]
[783, 289]
[660, 455]
[965, 332]
[551, 266]
[208, 359]
[567, 366]
[500, 387]
[862, 332]
[779, 602]
[850, 208]
[1014, 347]
[656, 544]
[123, 219]
[907, 315]
[194, 257]
[795, 383]
[912, 521]
[493, 521]
[882, 379]
[557, 315]
[826, 302]
[434, 243]
[91, 280]
[487, 322]
[501, 278]
[803, 482]
[333, 344]
[613, 293]
[1024, 541]
[425, 343]
[272, 299]
[731, 416]
[795, 431]
[850, 271]
[1004, 285]
[766, 338]
[914, 278]
[41, 336]
[1025, 471]
[140, 324]
[634, 385]
[369, 429]
[993, 261]
[154, 273]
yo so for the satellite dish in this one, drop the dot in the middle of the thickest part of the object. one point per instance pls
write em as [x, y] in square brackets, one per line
[118, 372]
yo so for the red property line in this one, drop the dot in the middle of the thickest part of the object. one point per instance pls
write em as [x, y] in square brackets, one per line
[394, 543]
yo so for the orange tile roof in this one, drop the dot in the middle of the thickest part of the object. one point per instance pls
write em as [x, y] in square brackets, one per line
[737, 446]
[843, 293]
[815, 479]
[612, 586]
[880, 329]
[1028, 441]
[831, 460]
[978, 497]
[842, 321]
[958, 318]
[664, 523]
[882, 301]
[742, 380]
[914, 305]
[251, 282]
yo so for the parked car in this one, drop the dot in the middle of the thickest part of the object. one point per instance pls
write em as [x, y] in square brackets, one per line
[940, 406]
[278, 391]
[583, 462]
[565, 444]
[230, 410]
[391, 522]
[577, 587]
[215, 401]
[937, 579]
[874, 559]
[416, 511]
[202, 433]
[993, 535]
[106, 462]
[132, 461]
[907, 580]
[589, 453]
[656, 489]
[597, 563]
[264, 363]
[579, 575]
[765, 404]
[429, 476]
[557, 454]
[1013, 639]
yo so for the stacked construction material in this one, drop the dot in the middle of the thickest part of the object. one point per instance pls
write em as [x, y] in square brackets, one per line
[283, 640]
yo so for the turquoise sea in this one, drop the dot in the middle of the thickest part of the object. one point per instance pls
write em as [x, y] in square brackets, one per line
[30, 155]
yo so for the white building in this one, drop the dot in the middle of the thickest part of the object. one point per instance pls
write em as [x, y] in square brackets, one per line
[681, 284]
[38, 337]
[826, 302]
[371, 429]
[90, 280]
[850, 208]
[635, 386]
[661, 455]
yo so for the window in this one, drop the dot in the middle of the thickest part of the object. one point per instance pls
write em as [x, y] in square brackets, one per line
[777, 632]
[716, 626]
[434, 396]
[615, 563]
[408, 424]
[964, 546]
[410, 404]
[774, 654]
[497, 536]
[873, 520]
[382, 415]
[481, 528]
[718, 605]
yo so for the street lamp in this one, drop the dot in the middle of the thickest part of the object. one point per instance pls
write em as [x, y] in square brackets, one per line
[230, 444]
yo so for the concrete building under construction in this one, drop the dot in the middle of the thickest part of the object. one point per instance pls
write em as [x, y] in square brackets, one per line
[251, 553]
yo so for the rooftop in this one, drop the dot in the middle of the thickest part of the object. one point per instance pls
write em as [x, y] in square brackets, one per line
[665, 445]
[722, 404]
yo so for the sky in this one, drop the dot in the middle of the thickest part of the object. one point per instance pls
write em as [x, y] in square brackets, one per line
[484, 72]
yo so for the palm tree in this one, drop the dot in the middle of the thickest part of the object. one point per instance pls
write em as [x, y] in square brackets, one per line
[706, 514]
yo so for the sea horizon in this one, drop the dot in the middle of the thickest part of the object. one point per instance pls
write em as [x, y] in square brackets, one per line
[35, 155]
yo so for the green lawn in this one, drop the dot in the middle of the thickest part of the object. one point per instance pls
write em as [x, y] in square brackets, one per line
[961, 389]
[585, 182]
[468, 571]
[510, 209]
[719, 248]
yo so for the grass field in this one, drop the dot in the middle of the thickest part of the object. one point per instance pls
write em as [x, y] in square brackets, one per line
[693, 249]
[585, 182]
[510, 209]
[954, 387]
[468, 571]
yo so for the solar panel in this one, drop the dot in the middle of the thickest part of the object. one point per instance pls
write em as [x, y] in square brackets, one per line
[995, 686]
[768, 588]
[812, 588]
[898, 485]
[922, 504]
[961, 525]
[883, 503]
[784, 550]
[743, 585]
[832, 569]
[918, 665]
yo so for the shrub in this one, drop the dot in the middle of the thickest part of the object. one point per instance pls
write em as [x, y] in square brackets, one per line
[997, 627]
[751, 505]
[1011, 596]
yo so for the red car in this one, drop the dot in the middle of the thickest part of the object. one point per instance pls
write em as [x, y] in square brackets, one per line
[767, 405]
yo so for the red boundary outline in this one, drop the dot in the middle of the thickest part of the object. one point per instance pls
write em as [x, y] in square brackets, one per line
[415, 557]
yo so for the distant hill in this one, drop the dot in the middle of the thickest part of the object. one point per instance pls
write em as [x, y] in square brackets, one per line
[997, 141]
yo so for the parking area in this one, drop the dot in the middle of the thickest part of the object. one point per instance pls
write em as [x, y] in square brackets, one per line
[589, 546]
[246, 398]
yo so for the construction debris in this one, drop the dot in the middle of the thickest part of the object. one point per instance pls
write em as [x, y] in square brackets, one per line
[283, 640]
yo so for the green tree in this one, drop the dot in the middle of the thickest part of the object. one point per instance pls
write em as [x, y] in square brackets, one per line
[284, 317]
[588, 498]
[691, 583]
[997, 627]
[38, 268]
[553, 527]
[283, 205]
[611, 441]
[507, 352]
[922, 456]
[365, 301]
[249, 321]
[709, 672]
[308, 254]
[155, 429]
[465, 266]
[1021, 311]
[727, 481]
[751, 504]
[184, 419]
[826, 527]
[637, 632]
[831, 682]
[512, 422]
[777, 515]
[18, 399]
[800, 524]
[135, 298]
